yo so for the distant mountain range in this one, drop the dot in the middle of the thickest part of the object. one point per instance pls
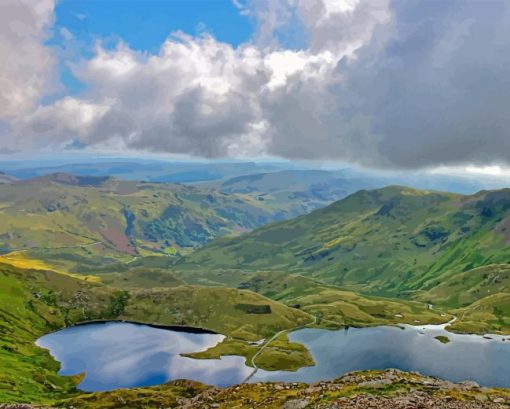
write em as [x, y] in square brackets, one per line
[243, 177]
[6, 179]
[314, 188]
[146, 170]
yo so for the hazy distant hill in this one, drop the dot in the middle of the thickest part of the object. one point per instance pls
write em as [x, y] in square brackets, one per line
[147, 170]
[6, 179]
[322, 186]
[318, 188]
[313, 188]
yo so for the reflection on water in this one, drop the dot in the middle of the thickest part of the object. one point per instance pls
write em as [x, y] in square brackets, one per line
[465, 357]
[116, 355]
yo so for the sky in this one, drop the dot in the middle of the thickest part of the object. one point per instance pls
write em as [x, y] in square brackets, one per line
[382, 84]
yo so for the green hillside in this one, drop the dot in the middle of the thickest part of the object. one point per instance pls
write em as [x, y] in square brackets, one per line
[335, 307]
[34, 302]
[390, 241]
[465, 288]
[308, 189]
[83, 220]
[340, 266]
[490, 314]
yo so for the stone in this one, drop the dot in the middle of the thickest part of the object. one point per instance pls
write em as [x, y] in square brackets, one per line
[295, 404]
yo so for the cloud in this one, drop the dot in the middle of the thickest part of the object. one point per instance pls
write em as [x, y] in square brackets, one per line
[380, 83]
[26, 72]
[438, 91]
[7, 151]
[196, 96]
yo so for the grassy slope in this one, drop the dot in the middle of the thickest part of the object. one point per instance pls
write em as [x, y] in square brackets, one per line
[98, 220]
[490, 314]
[465, 288]
[391, 241]
[366, 241]
[35, 302]
[219, 309]
[336, 307]
[141, 277]
[28, 310]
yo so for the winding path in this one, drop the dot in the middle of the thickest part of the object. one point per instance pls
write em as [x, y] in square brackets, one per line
[440, 326]
[265, 344]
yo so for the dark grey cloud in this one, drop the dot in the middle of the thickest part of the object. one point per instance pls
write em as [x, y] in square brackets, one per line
[438, 92]
[435, 92]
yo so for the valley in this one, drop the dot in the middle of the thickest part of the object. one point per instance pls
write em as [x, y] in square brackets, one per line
[101, 249]
[80, 221]
[254, 204]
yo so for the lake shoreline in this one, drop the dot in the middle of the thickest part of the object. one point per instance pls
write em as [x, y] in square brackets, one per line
[176, 328]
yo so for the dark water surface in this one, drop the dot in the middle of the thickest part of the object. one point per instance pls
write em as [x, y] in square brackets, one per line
[118, 354]
[465, 357]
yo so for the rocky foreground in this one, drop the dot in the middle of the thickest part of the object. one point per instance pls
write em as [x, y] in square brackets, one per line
[370, 389]
[374, 389]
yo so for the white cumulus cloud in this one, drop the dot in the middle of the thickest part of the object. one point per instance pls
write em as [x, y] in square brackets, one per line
[199, 96]
[27, 65]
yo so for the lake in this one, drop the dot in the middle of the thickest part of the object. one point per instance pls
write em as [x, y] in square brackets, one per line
[465, 357]
[117, 354]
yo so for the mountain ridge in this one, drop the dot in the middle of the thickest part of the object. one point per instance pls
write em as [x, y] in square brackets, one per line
[382, 236]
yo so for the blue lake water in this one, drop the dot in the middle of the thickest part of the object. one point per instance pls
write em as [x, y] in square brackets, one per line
[465, 357]
[115, 355]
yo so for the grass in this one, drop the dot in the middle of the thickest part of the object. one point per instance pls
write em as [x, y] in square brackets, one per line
[443, 339]
[465, 288]
[35, 302]
[141, 277]
[490, 314]
[336, 307]
[19, 259]
[279, 354]
[394, 245]
[283, 353]
[214, 308]
[28, 310]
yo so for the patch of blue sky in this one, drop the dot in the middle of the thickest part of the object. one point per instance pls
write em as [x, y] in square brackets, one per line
[142, 24]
